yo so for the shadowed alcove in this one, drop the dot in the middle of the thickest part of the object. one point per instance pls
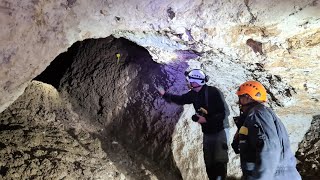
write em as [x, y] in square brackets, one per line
[111, 84]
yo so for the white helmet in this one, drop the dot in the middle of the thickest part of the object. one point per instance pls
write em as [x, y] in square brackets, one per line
[197, 76]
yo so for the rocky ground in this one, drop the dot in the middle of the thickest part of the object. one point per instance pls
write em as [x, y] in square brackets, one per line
[42, 137]
[309, 152]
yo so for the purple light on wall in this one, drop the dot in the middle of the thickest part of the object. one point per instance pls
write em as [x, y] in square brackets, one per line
[186, 54]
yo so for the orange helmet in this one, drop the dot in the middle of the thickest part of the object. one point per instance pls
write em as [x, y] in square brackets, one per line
[254, 89]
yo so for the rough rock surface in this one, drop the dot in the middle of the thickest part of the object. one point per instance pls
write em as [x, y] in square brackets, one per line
[309, 151]
[118, 96]
[121, 95]
[42, 137]
[35, 142]
[287, 30]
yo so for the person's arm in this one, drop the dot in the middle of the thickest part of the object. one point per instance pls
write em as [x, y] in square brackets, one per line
[263, 135]
[235, 143]
[181, 100]
[178, 99]
[238, 120]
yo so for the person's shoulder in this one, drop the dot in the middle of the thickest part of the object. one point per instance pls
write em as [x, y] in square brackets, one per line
[260, 111]
[215, 90]
[212, 88]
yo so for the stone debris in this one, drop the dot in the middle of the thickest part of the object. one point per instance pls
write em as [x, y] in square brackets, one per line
[308, 154]
[39, 139]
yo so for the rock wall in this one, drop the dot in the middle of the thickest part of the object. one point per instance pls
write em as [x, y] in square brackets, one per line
[41, 136]
[287, 30]
[121, 94]
[39, 139]
[118, 95]
[309, 151]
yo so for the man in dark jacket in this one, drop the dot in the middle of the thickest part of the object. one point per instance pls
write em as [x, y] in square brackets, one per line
[262, 139]
[212, 114]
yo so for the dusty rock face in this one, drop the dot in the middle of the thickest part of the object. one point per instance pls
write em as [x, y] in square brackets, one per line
[121, 95]
[36, 142]
[309, 151]
[287, 30]
[41, 136]
[118, 96]
[283, 53]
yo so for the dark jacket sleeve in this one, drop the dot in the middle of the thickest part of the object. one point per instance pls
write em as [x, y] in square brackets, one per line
[218, 108]
[262, 134]
[178, 99]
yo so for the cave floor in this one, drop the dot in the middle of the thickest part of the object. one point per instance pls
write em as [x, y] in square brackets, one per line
[42, 137]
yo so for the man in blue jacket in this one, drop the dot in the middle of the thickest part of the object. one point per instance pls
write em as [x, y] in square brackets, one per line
[212, 114]
[262, 139]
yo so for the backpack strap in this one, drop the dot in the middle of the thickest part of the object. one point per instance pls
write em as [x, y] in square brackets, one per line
[206, 96]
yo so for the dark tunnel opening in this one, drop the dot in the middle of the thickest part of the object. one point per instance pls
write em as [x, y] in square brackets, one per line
[58, 67]
[111, 84]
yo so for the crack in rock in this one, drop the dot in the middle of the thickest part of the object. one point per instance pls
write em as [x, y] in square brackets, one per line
[253, 18]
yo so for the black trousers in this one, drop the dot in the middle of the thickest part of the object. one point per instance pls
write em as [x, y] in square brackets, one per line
[215, 150]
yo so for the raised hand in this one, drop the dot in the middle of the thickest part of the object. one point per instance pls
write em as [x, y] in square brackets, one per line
[161, 90]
